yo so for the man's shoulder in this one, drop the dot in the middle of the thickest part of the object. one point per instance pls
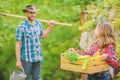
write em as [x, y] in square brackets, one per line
[22, 24]
[38, 22]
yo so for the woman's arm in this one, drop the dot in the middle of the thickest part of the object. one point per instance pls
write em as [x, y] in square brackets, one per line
[109, 55]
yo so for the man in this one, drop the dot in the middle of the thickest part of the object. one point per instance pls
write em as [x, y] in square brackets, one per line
[28, 35]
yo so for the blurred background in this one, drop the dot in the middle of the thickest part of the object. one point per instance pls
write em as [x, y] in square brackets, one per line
[82, 14]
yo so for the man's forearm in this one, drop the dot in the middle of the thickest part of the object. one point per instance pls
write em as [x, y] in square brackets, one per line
[18, 50]
[46, 32]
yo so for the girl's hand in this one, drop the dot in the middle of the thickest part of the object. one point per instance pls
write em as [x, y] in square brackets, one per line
[103, 56]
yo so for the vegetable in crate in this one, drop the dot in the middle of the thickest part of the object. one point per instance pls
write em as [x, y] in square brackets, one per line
[72, 56]
[85, 59]
[74, 50]
[96, 56]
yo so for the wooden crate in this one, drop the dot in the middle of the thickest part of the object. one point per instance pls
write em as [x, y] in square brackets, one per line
[91, 68]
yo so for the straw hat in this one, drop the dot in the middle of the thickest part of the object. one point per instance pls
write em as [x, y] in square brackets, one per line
[30, 8]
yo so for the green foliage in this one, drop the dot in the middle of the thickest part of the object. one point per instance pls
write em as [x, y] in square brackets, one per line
[107, 12]
[88, 26]
[59, 40]
[104, 10]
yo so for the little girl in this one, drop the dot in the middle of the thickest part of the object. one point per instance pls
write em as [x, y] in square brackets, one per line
[105, 43]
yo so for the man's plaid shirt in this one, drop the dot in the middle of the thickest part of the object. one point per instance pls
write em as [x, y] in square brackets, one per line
[29, 35]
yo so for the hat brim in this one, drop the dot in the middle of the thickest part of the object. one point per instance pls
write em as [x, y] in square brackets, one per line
[25, 10]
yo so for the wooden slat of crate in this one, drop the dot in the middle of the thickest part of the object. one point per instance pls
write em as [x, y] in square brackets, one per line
[92, 66]
[99, 66]
[77, 66]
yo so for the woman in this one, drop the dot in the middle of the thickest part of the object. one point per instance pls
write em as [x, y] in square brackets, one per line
[105, 43]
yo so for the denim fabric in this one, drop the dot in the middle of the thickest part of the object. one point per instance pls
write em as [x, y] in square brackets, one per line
[99, 76]
[32, 69]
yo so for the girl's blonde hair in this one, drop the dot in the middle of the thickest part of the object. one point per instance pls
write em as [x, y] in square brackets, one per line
[106, 35]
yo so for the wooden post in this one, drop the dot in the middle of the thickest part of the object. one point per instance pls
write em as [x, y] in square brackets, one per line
[83, 17]
[83, 76]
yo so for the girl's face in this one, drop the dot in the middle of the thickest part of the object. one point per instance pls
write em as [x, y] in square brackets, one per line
[96, 32]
